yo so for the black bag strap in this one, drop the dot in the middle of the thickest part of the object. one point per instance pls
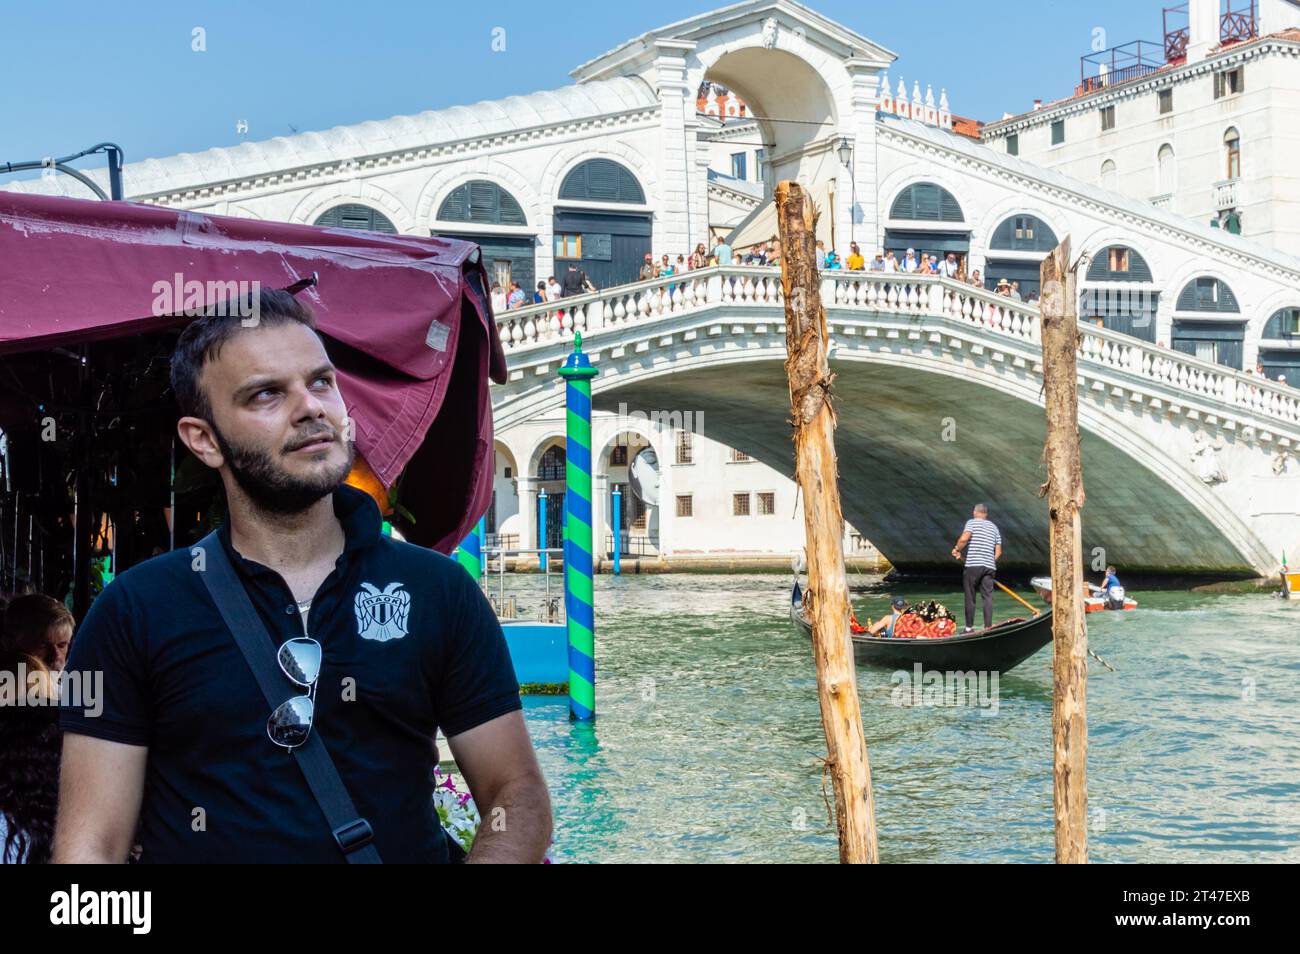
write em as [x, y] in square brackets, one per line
[352, 833]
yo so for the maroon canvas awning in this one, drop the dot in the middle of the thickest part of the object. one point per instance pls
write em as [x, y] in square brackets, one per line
[408, 318]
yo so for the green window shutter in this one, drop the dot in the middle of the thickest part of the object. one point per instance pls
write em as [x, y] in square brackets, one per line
[601, 180]
[354, 216]
[925, 201]
[455, 208]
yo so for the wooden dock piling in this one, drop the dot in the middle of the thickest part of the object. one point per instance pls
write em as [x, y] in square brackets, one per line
[816, 471]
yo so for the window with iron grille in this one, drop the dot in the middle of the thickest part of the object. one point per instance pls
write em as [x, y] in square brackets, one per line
[1118, 259]
[740, 505]
[766, 503]
[739, 456]
[685, 450]
[1107, 118]
[618, 456]
[685, 505]
[552, 464]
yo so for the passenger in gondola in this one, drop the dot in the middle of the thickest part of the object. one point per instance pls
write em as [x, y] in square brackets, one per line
[885, 625]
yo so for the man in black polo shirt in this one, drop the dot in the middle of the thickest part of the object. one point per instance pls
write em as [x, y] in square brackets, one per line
[182, 742]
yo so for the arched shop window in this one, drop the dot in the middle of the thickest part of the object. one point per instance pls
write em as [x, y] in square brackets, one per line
[1118, 293]
[507, 257]
[1206, 294]
[1279, 350]
[1284, 325]
[926, 202]
[481, 201]
[934, 224]
[601, 180]
[1118, 263]
[353, 216]
[1024, 241]
[1023, 233]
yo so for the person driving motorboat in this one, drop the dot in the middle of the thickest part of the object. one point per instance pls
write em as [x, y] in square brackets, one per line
[1110, 588]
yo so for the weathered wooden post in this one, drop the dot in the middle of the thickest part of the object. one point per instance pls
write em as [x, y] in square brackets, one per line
[1064, 491]
[817, 474]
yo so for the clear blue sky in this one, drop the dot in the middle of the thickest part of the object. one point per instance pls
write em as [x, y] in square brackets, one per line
[79, 72]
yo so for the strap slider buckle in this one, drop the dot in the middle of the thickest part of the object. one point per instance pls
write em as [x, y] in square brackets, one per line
[353, 835]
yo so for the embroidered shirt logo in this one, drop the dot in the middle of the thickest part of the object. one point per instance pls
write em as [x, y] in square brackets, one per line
[382, 614]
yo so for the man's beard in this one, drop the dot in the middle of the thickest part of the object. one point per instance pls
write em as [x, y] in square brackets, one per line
[270, 487]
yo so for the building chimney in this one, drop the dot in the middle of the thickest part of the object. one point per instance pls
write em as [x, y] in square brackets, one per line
[1203, 19]
[1038, 104]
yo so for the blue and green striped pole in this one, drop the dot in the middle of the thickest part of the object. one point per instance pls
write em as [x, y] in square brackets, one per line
[577, 373]
[470, 552]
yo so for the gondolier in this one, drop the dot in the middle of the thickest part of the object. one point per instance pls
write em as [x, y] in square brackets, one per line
[983, 543]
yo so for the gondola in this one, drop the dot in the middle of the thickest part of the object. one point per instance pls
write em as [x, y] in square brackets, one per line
[998, 649]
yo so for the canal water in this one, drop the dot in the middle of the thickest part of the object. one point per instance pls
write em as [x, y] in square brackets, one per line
[707, 742]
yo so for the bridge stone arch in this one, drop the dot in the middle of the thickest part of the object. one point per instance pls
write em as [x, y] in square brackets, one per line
[792, 80]
[1185, 454]
[897, 456]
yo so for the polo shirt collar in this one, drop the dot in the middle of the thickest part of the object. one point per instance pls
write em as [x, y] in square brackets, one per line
[355, 509]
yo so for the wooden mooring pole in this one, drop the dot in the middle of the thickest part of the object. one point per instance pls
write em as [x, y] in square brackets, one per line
[817, 474]
[1064, 492]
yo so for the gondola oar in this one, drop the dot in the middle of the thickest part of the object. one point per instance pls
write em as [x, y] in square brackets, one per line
[1014, 595]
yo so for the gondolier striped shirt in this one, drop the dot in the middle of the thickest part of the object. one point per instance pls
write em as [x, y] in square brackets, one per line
[984, 536]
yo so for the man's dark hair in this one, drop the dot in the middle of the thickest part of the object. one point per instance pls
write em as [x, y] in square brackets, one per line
[203, 339]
